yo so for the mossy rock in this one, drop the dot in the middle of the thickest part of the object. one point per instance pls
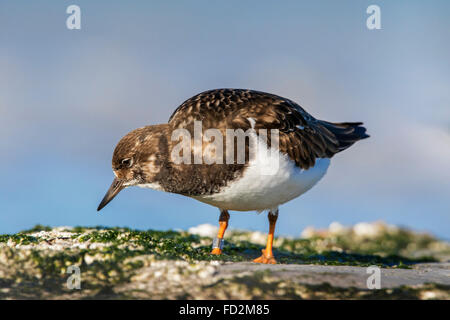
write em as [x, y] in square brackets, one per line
[116, 262]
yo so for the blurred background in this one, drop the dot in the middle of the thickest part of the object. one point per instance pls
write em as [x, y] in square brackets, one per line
[68, 96]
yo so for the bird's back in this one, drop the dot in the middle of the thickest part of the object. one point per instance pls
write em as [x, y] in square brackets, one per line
[302, 137]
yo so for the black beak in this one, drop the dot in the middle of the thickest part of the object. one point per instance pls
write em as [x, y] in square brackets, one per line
[115, 188]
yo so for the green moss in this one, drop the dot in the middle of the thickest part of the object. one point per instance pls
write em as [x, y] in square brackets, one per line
[37, 228]
[109, 257]
[382, 251]
[123, 244]
[19, 238]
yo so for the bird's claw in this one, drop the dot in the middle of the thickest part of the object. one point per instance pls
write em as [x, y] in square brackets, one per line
[265, 258]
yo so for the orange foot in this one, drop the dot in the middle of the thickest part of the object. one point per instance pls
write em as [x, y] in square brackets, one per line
[216, 251]
[267, 259]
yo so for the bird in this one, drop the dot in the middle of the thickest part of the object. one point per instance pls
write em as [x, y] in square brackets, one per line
[186, 155]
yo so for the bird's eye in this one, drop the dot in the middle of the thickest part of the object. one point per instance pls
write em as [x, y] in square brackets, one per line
[127, 162]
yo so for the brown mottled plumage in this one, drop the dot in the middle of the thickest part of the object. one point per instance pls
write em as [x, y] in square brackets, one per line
[231, 108]
[149, 147]
[143, 156]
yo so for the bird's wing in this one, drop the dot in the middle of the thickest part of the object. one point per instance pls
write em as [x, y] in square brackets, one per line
[302, 137]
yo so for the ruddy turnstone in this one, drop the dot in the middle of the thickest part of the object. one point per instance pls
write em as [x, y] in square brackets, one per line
[187, 155]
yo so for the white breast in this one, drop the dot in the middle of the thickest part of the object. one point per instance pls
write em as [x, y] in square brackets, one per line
[269, 180]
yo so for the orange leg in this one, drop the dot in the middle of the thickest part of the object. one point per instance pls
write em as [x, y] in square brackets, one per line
[223, 224]
[267, 254]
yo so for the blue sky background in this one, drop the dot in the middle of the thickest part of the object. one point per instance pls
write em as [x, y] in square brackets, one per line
[68, 96]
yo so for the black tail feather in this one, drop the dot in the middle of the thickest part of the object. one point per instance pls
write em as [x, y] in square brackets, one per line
[347, 133]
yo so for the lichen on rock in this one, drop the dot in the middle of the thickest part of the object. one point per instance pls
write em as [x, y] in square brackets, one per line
[125, 263]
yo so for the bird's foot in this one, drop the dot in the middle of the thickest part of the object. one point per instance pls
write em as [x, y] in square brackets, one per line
[216, 251]
[265, 258]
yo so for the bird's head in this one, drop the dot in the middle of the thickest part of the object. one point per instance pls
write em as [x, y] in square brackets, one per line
[138, 160]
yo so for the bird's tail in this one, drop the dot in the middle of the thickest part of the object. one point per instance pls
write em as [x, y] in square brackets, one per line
[346, 133]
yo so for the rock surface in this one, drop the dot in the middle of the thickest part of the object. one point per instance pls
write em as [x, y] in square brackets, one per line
[118, 263]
